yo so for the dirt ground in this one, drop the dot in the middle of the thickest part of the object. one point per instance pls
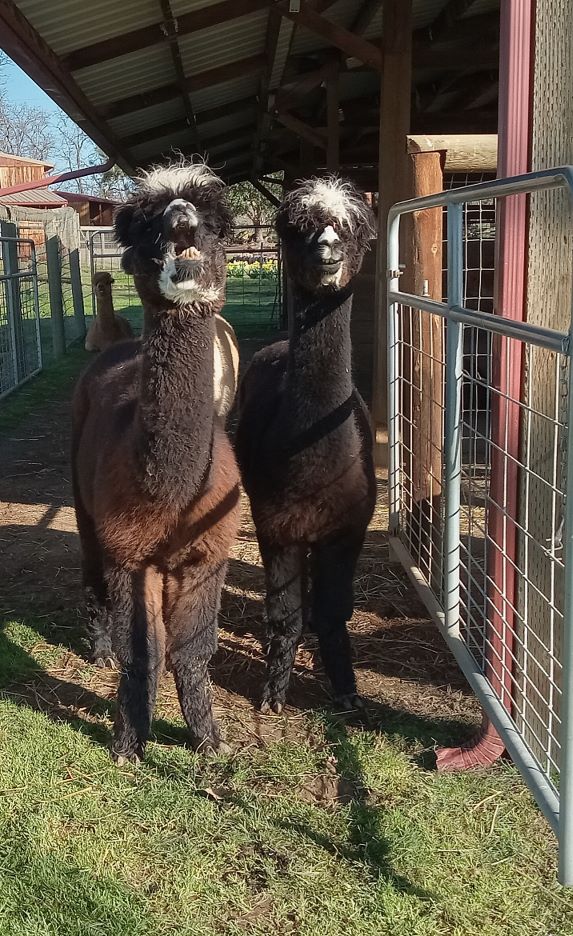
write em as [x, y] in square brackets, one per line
[403, 668]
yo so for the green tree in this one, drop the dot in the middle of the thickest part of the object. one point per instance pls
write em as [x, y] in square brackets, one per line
[249, 206]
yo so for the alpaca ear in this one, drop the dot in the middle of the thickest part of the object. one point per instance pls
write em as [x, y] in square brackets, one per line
[127, 261]
[122, 223]
[129, 224]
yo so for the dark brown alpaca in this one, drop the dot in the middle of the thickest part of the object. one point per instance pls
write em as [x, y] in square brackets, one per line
[155, 479]
[304, 443]
[107, 328]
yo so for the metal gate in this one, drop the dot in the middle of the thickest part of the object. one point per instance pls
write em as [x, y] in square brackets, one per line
[20, 344]
[481, 460]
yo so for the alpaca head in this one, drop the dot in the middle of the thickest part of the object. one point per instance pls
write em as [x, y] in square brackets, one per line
[325, 226]
[102, 283]
[172, 228]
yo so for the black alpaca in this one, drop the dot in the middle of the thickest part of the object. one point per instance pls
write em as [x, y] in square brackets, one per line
[304, 442]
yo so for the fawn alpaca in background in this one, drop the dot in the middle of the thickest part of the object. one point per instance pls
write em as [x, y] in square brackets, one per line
[156, 486]
[304, 442]
[107, 327]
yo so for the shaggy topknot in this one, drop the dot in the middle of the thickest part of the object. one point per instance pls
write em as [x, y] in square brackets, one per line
[320, 200]
[175, 177]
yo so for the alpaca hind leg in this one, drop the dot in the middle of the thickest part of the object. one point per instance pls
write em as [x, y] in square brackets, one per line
[192, 610]
[139, 642]
[95, 587]
[333, 564]
[284, 604]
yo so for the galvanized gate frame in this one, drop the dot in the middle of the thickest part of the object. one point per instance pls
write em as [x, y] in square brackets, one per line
[10, 281]
[556, 805]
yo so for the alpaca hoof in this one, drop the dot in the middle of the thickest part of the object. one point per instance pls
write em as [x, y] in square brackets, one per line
[105, 662]
[271, 707]
[211, 747]
[122, 760]
[351, 701]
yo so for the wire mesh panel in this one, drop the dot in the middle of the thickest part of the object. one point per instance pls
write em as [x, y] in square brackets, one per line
[479, 515]
[20, 346]
[254, 277]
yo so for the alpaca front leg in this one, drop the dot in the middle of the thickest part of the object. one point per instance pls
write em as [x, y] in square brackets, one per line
[333, 564]
[95, 588]
[193, 608]
[284, 603]
[139, 642]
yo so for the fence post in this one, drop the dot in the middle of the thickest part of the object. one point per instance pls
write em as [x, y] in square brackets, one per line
[77, 293]
[11, 269]
[54, 262]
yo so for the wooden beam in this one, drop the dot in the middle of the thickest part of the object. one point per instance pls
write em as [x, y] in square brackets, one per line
[464, 152]
[270, 196]
[332, 116]
[423, 392]
[206, 79]
[23, 44]
[395, 96]
[204, 18]
[292, 93]
[364, 17]
[202, 117]
[171, 33]
[484, 28]
[263, 117]
[448, 17]
[302, 130]
[353, 45]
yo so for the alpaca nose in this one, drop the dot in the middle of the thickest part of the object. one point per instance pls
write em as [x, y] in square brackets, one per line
[180, 217]
[328, 243]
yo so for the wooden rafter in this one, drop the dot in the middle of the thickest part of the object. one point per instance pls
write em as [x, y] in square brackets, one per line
[302, 129]
[270, 196]
[25, 47]
[206, 79]
[147, 36]
[365, 15]
[349, 43]
[172, 33]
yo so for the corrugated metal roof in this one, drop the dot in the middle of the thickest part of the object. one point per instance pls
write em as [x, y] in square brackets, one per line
[68, 25]
[131, 74]
[36, 197]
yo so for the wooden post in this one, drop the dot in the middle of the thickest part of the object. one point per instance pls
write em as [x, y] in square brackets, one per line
[332, 107]
[54, 264]
[549, 282]
[395, 95]
[11, 269]
[423, 376]
[77, 293]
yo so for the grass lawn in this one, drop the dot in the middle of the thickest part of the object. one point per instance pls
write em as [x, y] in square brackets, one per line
[315, 825]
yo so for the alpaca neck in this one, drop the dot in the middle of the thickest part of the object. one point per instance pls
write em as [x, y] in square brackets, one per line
[104, 310]
[176, 409]
[319, 377]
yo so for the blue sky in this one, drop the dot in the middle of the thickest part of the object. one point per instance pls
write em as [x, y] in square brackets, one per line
[22, 90]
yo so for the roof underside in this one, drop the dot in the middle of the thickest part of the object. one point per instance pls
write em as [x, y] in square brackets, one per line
[146, 77]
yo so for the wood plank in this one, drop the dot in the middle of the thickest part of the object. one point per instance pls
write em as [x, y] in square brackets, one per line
[464, 152]
[204, 18]
[205, 79]
[364, 17]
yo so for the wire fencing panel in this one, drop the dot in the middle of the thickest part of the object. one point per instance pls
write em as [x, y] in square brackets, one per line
[20, 345]
[464, 478]
[254, 276]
